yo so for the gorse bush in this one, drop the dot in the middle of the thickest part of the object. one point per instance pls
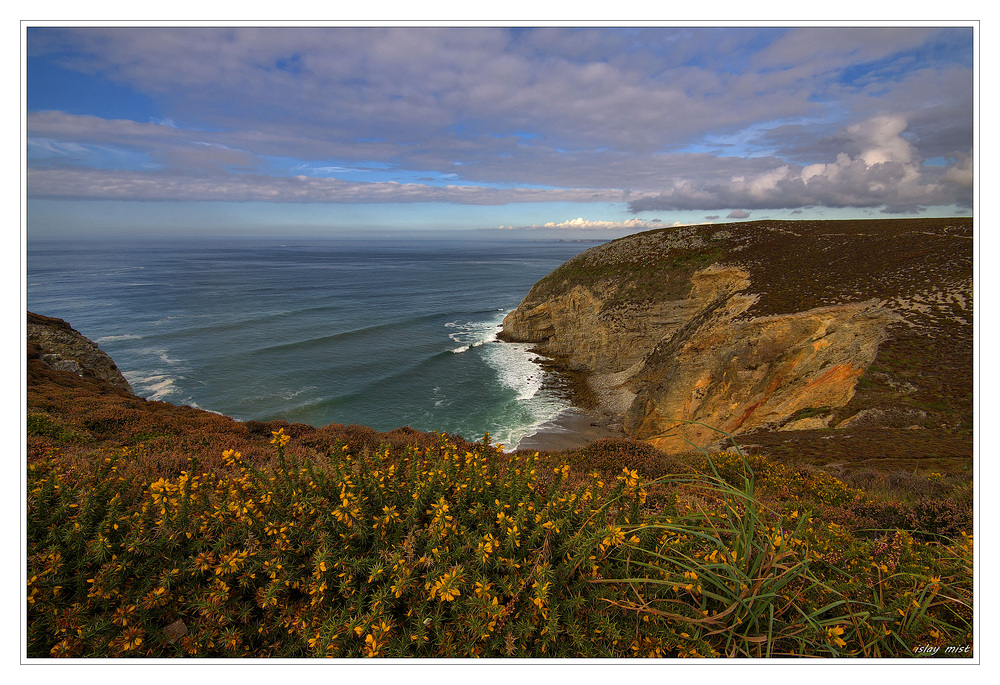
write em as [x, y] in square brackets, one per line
[450, 550]
[439, 553]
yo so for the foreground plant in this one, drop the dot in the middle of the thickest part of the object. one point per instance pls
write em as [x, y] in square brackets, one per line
[739, 579]
[449, 552]
[440, 553]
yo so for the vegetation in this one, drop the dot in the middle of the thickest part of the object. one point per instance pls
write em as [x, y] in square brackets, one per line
[427, 546]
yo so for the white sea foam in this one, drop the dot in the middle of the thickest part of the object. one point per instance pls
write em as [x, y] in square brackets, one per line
[161, 354]
[154, 386]
[113, 338]
[539, 414]
[472, 334]
[441, 400]
[291, 394]
[516, 370]
[191, 403]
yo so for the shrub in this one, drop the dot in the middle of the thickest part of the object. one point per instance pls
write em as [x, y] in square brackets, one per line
[44, 426]
[446, 553]
[611, 455]
[461, 550]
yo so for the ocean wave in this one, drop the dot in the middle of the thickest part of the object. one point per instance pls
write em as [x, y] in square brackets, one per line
[191, 403]
[515, 368]
[479, 343]
[471, 334]
[343, 336]
[161, 354]
[291, 394]
[531, 417]
[206, 324]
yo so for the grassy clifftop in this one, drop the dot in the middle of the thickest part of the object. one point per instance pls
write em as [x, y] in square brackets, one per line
[797, 264]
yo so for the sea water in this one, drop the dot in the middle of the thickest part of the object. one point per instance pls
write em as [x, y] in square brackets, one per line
[383, 333]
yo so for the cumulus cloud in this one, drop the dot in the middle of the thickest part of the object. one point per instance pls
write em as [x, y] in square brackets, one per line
[583, 223]
[887, 170]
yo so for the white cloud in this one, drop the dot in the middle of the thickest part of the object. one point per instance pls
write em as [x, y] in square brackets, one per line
[886, 172]
[580, 222]
[586, 224]
[883, 140]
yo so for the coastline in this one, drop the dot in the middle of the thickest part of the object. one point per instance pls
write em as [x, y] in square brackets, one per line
[572, 429]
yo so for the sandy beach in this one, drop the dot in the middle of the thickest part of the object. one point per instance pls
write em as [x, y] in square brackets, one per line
[571, 429]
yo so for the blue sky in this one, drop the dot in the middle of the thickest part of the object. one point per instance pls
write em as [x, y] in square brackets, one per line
[574, 131]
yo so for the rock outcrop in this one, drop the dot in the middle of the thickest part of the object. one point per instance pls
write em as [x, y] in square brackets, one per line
[738, 376]
[762, 326]
[60, 347]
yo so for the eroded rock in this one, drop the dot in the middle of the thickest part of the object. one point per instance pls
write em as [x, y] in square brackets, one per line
[736, 376]
[62, 348]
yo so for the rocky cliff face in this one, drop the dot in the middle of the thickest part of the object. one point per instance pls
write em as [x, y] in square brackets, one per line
[762, 326]
[57, 345]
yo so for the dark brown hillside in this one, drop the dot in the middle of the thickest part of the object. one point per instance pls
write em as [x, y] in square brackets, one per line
[923, 373]
[923, 269]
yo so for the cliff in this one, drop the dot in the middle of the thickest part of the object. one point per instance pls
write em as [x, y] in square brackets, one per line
[766, 327]
[60, 347]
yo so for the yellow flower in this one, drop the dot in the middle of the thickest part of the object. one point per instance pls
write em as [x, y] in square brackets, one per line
[446, 587]
[372, 646]
[833, 636]
[615, 537]
[132, 638]
[122, 615]
[630, 478]
[280, 437]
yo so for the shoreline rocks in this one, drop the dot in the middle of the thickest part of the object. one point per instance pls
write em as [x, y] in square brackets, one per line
[60, 347]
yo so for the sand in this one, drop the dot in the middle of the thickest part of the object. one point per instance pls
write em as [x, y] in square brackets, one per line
[571, 429]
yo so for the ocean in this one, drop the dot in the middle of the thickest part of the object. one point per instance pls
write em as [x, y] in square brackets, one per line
[383, 333]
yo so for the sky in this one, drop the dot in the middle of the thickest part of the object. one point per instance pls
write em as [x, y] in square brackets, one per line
[576, 131]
